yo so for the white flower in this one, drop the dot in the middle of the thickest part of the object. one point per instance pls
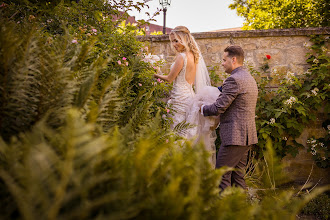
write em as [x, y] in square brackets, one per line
[290, 74]
[324, 49]
[316, 60]
[289, 77]
[328, 126]
[290, 101]
[151, 58]
[285, 138]
[313, 141]
[313, 152]
[272, 121]
[315, 90]
[321, 144]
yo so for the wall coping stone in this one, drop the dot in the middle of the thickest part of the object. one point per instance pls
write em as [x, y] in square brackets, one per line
[246, 33]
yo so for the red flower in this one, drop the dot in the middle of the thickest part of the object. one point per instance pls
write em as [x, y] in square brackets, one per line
[268, 57]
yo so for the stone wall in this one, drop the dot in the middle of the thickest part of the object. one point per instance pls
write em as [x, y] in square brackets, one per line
[287, 48]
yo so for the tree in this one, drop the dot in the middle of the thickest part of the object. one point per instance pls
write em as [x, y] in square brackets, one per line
[268, 14]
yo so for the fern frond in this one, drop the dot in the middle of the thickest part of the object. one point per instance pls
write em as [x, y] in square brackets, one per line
[181, 128]
[111, 106]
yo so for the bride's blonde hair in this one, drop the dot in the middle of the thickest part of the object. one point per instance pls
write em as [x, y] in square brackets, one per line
[182, 34]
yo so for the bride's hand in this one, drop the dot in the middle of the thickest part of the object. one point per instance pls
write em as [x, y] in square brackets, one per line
[157, 69]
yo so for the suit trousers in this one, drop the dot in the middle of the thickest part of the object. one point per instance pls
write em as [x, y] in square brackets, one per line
[236, 157]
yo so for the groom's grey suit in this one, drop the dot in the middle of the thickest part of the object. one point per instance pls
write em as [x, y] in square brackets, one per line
[236, 106]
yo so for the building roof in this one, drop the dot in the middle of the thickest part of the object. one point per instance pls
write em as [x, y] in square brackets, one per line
[149, 28]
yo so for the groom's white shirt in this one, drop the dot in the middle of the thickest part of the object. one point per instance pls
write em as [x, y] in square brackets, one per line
[202, 109]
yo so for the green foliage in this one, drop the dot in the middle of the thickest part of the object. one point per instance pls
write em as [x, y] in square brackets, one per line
[319, 148]
[43, 73]
[270, 14]
[284, 112]
[318, 207]
[79, 172]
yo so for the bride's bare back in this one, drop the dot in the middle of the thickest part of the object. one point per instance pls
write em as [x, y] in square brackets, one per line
[191, 68]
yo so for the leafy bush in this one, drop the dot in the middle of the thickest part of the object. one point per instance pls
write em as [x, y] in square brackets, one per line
[284, 111]
[318, 207]
[268, 14]
[79, 172]
[46, 73]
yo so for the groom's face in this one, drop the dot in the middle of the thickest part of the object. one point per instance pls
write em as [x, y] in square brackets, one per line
[227, 63]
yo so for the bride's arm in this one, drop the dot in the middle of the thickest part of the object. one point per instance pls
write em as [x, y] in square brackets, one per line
[174, 71]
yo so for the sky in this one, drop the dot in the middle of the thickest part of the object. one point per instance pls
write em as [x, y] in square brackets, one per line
[196, 15]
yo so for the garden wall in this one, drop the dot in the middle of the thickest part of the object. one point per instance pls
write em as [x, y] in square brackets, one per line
[287, 47]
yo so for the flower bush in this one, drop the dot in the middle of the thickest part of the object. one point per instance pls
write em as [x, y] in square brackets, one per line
[285, 110]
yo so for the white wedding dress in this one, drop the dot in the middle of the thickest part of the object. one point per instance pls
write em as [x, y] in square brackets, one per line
[186, 104]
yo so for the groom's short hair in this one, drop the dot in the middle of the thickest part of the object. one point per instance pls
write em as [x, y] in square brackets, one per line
[235, 51]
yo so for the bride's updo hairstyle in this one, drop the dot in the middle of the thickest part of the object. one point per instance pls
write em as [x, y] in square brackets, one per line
[182, 34]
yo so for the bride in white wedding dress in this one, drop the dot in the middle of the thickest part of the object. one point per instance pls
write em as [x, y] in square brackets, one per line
[191, 89]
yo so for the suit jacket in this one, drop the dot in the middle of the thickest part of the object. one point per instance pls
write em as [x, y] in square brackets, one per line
[236, 106]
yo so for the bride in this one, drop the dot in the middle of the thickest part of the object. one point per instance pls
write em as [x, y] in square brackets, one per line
[191, 89]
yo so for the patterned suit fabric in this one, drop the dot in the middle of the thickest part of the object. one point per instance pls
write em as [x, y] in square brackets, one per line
[236, 106]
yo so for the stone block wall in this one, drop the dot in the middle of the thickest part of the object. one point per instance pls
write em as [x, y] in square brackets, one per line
[287, 47]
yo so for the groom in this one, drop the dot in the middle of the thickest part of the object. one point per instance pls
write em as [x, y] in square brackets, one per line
[236, 106]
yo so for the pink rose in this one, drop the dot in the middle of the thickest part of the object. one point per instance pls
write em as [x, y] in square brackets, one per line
[167, 110]
[74, 41]
[140, 84]
[119, 62]
[158, 80]
[124, 58]
[126, 63]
